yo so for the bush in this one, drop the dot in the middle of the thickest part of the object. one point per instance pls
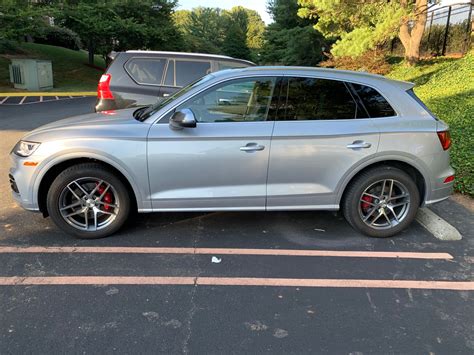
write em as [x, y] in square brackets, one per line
[371, 61]
[8, 47]
[59, 36]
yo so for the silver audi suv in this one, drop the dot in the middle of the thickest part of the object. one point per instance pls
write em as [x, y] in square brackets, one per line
[253, 139]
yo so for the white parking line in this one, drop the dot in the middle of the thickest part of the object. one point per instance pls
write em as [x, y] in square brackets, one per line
[437, 226]
[5, 99]
[23, 99]
[228, 251]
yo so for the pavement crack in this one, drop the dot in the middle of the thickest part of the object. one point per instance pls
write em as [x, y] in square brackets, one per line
[193, 309]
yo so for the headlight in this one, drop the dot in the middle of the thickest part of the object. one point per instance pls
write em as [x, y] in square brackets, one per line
[25, 149]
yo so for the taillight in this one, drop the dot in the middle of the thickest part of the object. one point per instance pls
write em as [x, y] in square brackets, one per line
[103, 89]
[445, 139]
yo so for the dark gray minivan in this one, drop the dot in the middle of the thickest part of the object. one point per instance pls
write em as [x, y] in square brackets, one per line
[137, 78]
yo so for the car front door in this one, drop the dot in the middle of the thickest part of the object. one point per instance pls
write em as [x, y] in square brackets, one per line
[221, 164]
[321, 132]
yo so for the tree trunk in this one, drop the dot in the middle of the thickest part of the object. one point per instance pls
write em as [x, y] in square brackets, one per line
[90, 48]
[411, 37]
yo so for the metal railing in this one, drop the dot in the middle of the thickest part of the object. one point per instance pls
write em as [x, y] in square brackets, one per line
[448, 31]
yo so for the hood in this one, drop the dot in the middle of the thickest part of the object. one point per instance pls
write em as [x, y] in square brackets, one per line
[120, 123]
[99, 118]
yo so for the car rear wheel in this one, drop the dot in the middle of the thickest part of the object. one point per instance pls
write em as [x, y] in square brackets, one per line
[88, 201]
[381, 202]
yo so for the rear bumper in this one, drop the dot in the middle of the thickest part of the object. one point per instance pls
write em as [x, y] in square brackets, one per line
[439, 195]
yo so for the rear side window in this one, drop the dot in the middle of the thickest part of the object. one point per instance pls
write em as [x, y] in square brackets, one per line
[189, 71]
[146, 70]
[373, 101]
[317, 99]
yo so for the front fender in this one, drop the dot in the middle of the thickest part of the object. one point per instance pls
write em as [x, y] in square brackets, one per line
[137, 175]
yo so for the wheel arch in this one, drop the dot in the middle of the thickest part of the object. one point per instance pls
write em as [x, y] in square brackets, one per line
[420, 179]
[53, 171]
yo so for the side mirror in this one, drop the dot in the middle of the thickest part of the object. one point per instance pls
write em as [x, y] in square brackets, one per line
[183, 118]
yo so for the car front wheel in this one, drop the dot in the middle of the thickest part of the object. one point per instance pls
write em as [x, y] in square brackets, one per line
[88, 201]
[381, 202]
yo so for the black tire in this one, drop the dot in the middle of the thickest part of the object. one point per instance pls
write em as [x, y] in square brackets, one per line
[89, 170]
[351, 204]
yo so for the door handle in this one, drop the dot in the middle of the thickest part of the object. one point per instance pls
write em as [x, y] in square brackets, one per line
[252, 147]
[359, 145]
[166, 95]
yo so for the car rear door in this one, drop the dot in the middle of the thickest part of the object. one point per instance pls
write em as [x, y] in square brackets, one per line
[222, 163]
[318, 138]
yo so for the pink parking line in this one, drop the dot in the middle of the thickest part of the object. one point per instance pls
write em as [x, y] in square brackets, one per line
[235, 281]
[228, 251]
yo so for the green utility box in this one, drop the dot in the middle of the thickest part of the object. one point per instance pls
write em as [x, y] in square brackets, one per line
[31, 74]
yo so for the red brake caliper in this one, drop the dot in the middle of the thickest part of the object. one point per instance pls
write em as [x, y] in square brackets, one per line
[366, 205]
[107, 197]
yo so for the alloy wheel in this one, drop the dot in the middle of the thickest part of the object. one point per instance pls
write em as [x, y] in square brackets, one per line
[89, 204]
[384, 204]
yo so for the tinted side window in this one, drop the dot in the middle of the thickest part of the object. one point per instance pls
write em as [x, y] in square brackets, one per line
[146, 70]
[240, 100]
[189, 71]
[317, 99]
[374, 102]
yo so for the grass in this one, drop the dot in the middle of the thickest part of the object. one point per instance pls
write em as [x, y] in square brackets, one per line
[70, 72]
[446, 86]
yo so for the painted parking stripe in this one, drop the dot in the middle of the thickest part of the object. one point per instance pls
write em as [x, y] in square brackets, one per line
[5, 99]
[23, 99]
[235, 281]
[228, 251]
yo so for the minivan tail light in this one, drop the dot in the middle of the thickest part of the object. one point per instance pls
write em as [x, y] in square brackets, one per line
[103, 89]
[445, 139]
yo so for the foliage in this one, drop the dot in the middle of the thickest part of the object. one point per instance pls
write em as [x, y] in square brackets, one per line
[120, 25]
[59, 36]
[291, 40]
[17, 21]
[212, 30]
[358, 26]
[447, 88]
[371, 61]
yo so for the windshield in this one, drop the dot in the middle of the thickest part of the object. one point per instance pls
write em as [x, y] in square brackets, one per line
[143, 113]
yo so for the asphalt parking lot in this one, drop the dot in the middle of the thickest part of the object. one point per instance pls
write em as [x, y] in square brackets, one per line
[284, 282]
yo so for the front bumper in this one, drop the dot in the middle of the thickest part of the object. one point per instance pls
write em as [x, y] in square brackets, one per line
[21, 182]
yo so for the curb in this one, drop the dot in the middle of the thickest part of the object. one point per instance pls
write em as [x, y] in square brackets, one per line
[47, 93]
[437, 226]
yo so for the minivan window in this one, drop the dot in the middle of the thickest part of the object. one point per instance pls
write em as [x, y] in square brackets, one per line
[146, 70]
[239, 100]
[373, 101]
[317, 99]
[188, 71]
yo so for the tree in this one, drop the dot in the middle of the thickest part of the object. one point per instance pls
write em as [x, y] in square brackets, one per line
[236, 27]
[203, 29]
[362, 26]
[121, 25]
[235, 44]
[291, 40]
[18, 21]
[412, 28]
